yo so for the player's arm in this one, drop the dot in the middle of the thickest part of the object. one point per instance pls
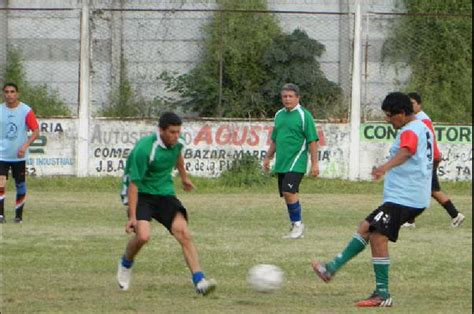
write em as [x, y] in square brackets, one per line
[408, 147]
[32, 124]
[132, 207]
[313, 151]
[187, 184]
[138, 165]
[312, 138]
[270, 154]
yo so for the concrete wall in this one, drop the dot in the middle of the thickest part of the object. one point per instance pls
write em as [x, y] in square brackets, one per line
[154, 42]
[49, 44]
[211, 146]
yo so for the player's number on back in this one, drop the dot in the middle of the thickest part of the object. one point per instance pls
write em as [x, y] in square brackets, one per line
[429, 146]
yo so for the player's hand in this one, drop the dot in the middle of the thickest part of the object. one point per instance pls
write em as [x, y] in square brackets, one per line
[315, 170]
[378, 173]
[130, 226]
[188, 185]
[21, 152]
[266, 164]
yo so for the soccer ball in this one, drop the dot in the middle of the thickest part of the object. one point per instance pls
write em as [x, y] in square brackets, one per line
[265, 277]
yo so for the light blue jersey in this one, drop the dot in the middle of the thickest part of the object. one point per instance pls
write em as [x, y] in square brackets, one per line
[409, 184]
[14, 126]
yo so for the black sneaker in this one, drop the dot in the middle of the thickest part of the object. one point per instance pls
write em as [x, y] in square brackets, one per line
[18, 220]
[375, 301]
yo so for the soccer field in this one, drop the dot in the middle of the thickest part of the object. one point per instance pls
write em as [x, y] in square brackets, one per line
[63, 258]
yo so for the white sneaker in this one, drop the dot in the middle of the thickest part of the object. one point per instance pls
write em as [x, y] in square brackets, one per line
[205, 286]
[458, 220]
[408, 225]
[123, 277]
[296, 232]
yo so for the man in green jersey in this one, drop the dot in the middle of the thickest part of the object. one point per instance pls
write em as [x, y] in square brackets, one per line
[294, 134]
[151, 194]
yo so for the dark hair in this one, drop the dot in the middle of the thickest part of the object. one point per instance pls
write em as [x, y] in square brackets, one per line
[169, 118]
[416, 97]
[292, 88]
[396, 103]
[10, 85]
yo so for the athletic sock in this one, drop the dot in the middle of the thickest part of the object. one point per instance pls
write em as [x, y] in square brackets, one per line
[354, 247]
[20, 198]
[126, 263]
[197, 277]
[294, 211]
[451, 209]
[381, 268]
[2, 201]
[20, 203]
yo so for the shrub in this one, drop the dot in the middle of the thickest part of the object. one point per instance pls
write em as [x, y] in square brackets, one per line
[244, 172]
[438, 50]
[44, 101]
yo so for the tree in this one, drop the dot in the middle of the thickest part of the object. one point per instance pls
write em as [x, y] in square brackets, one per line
[234, 47]
[44, 101]
[293, 58]
[438, 50]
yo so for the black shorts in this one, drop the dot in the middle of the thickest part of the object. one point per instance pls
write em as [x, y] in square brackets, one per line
[18, 169]
[289, 182]
[162, 208]
[435, 186]
[388, 218]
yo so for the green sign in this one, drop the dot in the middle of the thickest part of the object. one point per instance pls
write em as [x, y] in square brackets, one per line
[445, 134]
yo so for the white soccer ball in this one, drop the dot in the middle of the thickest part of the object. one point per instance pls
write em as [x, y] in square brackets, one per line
[265, 277]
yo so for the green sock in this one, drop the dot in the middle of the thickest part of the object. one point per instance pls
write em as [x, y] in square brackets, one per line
[355, 246]
[381, 267]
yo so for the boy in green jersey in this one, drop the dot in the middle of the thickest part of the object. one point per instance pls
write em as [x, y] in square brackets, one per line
[294, 135]
[151, 194]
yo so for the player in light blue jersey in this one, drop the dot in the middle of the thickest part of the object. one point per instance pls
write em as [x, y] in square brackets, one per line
[442, 198]
[16, 119]
[407, 192]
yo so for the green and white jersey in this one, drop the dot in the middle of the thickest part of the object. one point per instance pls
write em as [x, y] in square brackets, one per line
[292, 133]
[150, 165]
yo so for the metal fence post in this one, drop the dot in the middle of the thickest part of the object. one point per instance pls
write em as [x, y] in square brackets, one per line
[3, 33]
[354, 152]
[82, 152]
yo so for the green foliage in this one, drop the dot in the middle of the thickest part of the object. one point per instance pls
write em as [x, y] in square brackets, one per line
[125, 101]
[244, 172]
[438, 51]
[44, 101]
[256, 59]
[235, 44]
[292, 58]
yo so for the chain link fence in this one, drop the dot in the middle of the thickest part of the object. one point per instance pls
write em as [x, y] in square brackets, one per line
[140, 48]
[39, 50]
[427, 53]
[137, 53]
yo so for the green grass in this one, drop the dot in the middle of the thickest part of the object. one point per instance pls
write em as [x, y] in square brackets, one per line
[62, 259]
[206, 186]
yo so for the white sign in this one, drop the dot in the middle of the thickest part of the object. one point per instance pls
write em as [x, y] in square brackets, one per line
[211, 147]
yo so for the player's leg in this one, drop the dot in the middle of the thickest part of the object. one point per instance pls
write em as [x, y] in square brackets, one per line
[180, 230]
[3, 184]
[381, 262]
[289, 188]
[139, 239]
[19, 174]
[356, 245]
[456, 217]
[173, 215]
